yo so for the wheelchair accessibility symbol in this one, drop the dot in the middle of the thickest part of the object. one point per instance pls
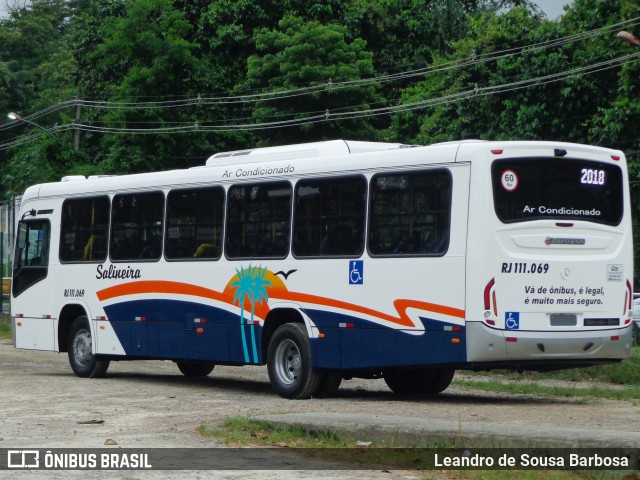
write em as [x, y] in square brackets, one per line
[512, 320]
[356, 272]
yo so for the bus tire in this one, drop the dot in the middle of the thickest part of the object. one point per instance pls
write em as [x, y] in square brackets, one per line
[418, 381]
[289, 363]
[329, 384]
[195, 369]
[441, 379]
[83, 362]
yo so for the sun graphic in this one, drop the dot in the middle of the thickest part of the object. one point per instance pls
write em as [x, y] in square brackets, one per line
[250, 289]
[275, 283]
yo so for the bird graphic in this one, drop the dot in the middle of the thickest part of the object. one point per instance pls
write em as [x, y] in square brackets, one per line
[286, 275]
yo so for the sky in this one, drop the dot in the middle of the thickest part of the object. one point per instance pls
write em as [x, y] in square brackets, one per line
[552, 8]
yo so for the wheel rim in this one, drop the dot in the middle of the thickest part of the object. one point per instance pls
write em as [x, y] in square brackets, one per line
[82, 348]
[288, 362]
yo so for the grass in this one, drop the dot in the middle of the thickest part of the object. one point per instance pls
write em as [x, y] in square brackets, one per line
[241, 432]
[624, 375]
[626, 372]
[627, 393]
[327, 446]
[5, 330]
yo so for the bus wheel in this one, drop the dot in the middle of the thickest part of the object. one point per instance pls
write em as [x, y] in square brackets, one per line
[441, 379]
[289, 363]
[418, 381]
[329, 384]
[83, 362]
[195, 369]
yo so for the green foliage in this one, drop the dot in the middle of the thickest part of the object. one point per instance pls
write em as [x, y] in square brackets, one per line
[308, 54]
[33, 46]
[242, 431]
[5, 331]
[524, 388]
[537, 112]
[623, 378]
[626, 372]
[30, 164]
[5, 85]
[146, 52]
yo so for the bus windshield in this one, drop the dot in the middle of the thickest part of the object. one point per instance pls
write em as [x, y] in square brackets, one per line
[545, 188]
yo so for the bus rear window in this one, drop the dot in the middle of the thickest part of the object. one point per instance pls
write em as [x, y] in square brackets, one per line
[550, 188]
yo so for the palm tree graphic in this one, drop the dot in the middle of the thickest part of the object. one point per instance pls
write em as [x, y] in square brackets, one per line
[250, 284]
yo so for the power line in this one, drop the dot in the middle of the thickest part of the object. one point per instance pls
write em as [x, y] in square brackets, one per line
[183, 127]
[300, 91]
[344, 112]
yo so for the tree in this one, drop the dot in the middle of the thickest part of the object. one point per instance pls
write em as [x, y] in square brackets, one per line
[34, 52]
[34, 162]
[144, 53]
[504, 75]
[33, 40]
[615, 123]
[309, 54]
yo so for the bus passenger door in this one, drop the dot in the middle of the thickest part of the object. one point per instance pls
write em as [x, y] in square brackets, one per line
[33, 322]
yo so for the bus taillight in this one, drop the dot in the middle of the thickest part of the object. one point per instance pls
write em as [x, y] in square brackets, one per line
[490, 298]
[487, 294]
[628, 300]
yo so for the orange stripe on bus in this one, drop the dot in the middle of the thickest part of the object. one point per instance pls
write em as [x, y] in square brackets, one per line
[161, 286]
[401, 306]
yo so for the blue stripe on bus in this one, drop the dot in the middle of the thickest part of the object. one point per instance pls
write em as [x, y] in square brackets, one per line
[169, 331]
[368, 345]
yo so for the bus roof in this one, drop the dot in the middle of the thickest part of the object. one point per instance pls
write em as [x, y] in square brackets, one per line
[299, 150]
[224, 166]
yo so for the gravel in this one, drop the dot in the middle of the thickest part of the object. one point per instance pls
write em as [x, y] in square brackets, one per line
[149, 404]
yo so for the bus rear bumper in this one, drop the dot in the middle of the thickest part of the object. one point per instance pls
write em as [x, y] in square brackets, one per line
[485, 344]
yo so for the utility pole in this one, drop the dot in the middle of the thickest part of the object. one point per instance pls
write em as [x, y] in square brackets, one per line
[76, 133]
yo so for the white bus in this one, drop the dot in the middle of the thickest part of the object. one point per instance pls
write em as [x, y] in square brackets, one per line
[332, 260]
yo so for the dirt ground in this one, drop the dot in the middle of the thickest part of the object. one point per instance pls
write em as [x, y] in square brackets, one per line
[145, 404]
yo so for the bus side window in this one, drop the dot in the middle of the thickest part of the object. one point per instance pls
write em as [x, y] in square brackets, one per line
[136, 226]
[329, 217]
[31, 260]
[194, 224]
[258, 220]
[83, 229]
[410, 213]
